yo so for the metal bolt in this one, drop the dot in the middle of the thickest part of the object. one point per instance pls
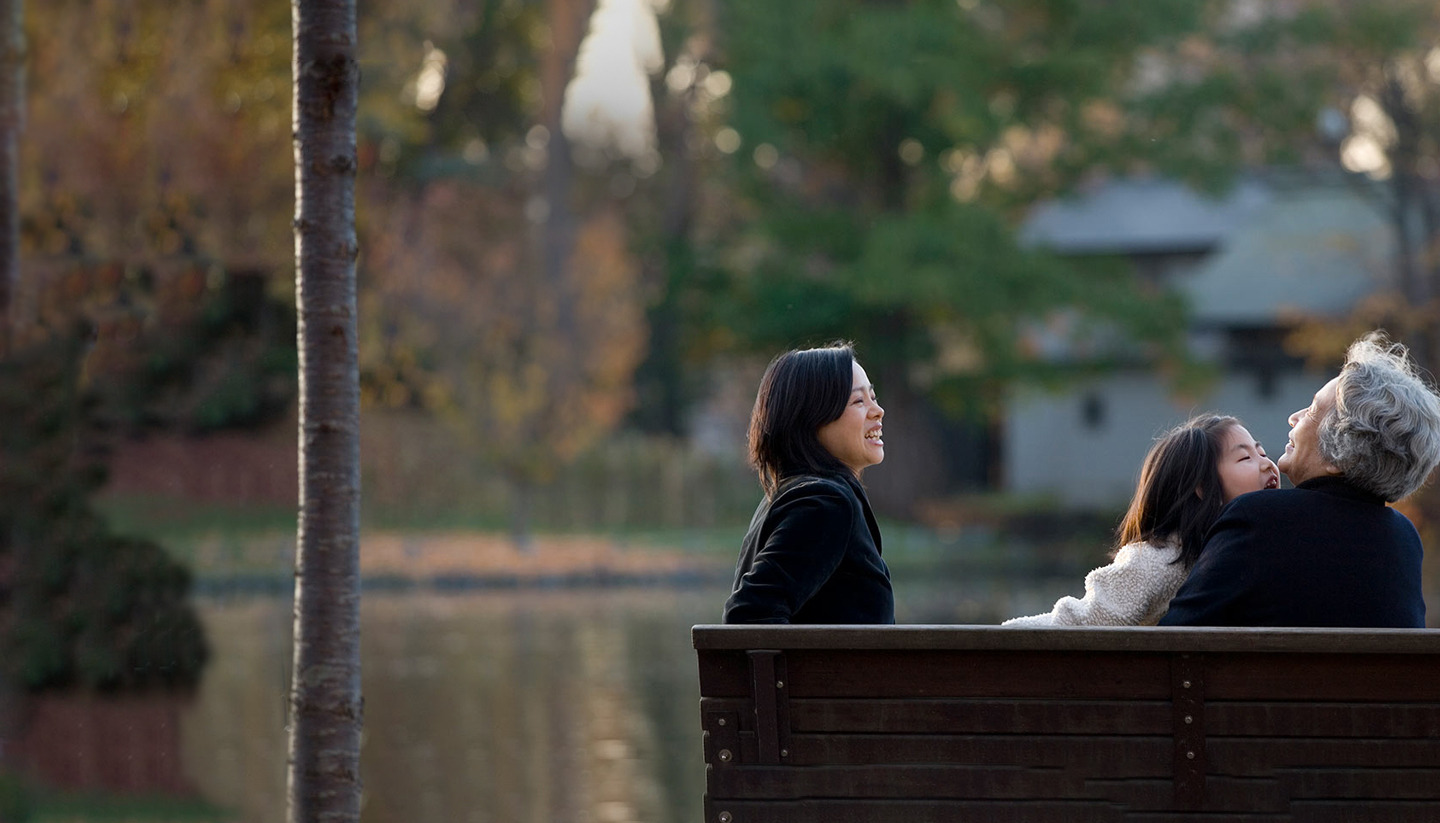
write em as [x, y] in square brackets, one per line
[1189, 719]
[724, 817]
[720, 722]
[784, 752]
[779, 684]
[725, 755]
[1189, 755]
[1186, 684]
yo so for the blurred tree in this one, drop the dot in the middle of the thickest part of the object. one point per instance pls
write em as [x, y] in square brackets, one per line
[506, 298]
[12, 115]
[325, 697]
[88, 609]
[155, 205]
[885, 153]
[1323, 85]
[665, 212]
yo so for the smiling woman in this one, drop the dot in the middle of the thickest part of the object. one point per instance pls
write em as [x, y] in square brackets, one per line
[812, 553]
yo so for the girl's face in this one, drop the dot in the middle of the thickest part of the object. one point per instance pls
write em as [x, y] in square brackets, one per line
[1244, 466]
[854, 437]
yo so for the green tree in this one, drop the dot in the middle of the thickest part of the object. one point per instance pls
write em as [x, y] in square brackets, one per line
[883, 154]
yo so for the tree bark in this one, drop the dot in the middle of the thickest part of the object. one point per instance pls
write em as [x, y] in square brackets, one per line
[325, 699]
[12, 116]
[12, 119]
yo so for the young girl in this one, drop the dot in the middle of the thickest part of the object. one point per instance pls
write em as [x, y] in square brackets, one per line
[1188, 476]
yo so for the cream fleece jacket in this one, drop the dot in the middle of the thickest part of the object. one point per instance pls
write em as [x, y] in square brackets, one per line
[1134, 590]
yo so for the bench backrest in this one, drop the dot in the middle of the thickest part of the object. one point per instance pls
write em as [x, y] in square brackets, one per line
[916, 723]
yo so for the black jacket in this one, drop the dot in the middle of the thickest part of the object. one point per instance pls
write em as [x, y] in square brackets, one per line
[812, 555]
[1322, 554]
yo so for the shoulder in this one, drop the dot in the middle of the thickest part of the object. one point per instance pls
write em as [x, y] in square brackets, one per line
[1270, 501]
[1145, 552]
[815, 491]
[815, 486]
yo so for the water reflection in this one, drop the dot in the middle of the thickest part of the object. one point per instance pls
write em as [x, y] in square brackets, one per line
[533, 707]
[543, 707]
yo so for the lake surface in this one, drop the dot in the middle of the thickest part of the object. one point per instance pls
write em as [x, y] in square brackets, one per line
[562, 706]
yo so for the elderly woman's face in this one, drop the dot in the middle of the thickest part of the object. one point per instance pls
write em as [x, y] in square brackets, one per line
[1301, 460]
[854, 437]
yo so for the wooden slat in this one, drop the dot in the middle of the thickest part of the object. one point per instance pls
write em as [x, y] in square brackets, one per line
[1374, 784]
[1092, 638]
[1377, 678]
[894, 782]
[978, 674]
[1187, 691]
[1370, 811]
[740, 706]
[1216, 795]
[1089, 756]
[912, 811]
[767, 692]
[724, 674]
[1261, 756]
[1221, 817]
[1088, 717]
[1252, 719]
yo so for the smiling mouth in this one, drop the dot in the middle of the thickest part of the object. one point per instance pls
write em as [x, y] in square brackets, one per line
[1272, 483]
[874, 437]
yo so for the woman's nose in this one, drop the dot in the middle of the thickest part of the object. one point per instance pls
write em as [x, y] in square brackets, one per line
[879, 411]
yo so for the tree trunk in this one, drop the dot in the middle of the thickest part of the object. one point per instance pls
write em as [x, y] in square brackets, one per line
[12, 119]
[522, 498]
[325, 700]
[569, 21]
[12, 110]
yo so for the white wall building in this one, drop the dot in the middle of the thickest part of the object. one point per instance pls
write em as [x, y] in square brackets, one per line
[1249, 264]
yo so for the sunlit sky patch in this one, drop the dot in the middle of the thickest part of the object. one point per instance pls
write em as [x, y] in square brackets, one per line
[608, 102]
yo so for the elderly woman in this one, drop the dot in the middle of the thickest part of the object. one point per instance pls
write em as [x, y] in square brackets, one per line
[1329, 552]
[812, 554]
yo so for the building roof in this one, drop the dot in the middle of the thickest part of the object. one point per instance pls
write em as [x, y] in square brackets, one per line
[1137, 216]
[1315, 251]
[1276, 245]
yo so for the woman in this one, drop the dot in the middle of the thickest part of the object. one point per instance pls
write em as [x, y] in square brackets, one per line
[1187, 478]
[812, 554]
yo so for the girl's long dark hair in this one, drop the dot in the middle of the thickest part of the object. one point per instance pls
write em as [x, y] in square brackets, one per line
[801, 391]
[1180, 493]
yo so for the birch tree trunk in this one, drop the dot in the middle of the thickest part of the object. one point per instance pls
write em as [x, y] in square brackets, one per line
[12, 119]
[325, 700]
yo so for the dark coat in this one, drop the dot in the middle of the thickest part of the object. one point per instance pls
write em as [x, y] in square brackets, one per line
[812, 555]
[1322, 554]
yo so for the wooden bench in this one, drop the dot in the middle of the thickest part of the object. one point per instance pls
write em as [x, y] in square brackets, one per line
[826, 724]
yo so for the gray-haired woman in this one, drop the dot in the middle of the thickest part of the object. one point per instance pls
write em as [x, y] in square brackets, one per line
[1329, 552]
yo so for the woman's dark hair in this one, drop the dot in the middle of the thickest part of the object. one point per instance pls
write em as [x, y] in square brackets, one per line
[1180, 493]
[801, 391]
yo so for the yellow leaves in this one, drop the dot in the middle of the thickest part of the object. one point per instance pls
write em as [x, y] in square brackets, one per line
[1103, 117]
[526, 371]
[1322, 341]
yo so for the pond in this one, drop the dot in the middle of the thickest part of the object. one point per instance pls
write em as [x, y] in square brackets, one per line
[562, 706]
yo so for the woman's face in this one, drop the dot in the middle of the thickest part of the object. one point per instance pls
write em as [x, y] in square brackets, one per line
[1244, 466]
[853, 438]
[1301, 460]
